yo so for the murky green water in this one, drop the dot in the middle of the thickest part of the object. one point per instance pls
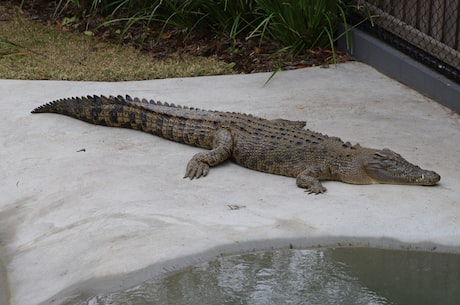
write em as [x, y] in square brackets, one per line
[326, 276]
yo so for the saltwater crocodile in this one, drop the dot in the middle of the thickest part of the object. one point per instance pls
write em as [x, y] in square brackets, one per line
[279, 147]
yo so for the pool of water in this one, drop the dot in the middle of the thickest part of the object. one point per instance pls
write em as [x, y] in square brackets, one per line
[318, 276]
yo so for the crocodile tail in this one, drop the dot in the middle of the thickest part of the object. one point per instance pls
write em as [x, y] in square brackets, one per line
[176, 123]
[95, 109]
[75, 104]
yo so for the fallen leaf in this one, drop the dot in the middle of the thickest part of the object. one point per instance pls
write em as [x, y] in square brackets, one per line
[166, 35]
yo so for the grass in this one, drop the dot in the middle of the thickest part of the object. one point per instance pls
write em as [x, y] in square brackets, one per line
[30, 50]
[297, 25]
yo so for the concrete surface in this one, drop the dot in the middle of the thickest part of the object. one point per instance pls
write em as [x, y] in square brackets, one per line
[390, 61]
[78, 222]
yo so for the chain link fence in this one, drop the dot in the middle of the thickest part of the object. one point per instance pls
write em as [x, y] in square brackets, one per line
[430, 28]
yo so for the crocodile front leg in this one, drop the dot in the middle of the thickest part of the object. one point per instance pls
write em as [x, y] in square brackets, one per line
[199, 165]
[309, 180]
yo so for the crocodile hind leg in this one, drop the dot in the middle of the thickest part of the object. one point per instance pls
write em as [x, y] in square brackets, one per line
[199, 165]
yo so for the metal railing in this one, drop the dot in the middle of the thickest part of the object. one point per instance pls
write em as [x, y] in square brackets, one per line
[432, 26]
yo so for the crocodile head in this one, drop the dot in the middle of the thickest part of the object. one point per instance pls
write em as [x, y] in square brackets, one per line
[386, 166]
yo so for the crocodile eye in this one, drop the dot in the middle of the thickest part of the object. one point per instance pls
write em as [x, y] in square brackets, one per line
[387, 154]
[379, 155]
[382, 155]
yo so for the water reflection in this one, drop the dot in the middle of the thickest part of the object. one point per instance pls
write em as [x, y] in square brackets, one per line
[340, 276]
[405, 277]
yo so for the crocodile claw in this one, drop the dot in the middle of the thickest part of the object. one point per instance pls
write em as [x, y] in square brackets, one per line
[316, 189]
[196, 169]
[309, 182]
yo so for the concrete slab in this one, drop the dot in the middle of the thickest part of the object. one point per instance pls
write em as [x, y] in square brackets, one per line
[79, 222]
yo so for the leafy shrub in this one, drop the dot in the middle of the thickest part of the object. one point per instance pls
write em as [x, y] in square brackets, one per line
[298, 25]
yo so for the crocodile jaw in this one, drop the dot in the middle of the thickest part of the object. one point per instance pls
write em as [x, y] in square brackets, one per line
[386, 166]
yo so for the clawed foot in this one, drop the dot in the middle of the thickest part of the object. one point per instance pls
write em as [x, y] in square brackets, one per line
[311, 184]
[196, 169]
[316, 189]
